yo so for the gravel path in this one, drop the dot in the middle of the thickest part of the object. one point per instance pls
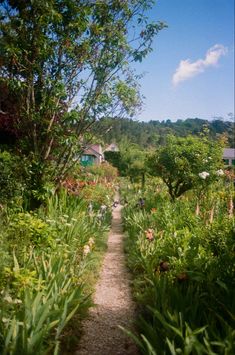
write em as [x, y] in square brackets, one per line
[114, 305]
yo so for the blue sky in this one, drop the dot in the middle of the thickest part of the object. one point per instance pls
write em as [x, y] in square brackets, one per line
[190, 72]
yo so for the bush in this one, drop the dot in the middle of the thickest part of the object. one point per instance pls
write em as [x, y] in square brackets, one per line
[10, 177]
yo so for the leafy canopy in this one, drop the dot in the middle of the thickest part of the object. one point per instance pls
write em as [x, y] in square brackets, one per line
[68, 63]
[181, 160]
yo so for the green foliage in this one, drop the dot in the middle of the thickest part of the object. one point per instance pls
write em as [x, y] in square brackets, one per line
[53, 51]
[114, 158]
[26, 229]
[103, 172]
[131, 161]
[45, 256]
[183, 266]
[187, 163]
[50, 305]
[154, 132]
[10, 177]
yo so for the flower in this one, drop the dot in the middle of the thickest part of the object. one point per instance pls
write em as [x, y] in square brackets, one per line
[149, 234]
[91, 242]
[203, 175]
[153, 210]
[219, 172]
[164, 266]
[182, 277]
[86, 250]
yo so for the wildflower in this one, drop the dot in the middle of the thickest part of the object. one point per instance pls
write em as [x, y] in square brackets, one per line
[164, 266]
[8, 299]
[52, 221]
[182, 277]
[99, 216]
[91, 242]
[5, 320]
[153, 210]
[203, 175]
[86, 250]
[219, 172]
[149, 234]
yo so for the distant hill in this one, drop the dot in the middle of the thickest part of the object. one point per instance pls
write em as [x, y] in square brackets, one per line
[154, 133]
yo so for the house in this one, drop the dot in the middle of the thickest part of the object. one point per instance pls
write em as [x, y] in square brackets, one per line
[112, 148]
[92, 155]
[229, 156]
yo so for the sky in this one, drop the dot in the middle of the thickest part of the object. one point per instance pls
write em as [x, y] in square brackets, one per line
[190, 72]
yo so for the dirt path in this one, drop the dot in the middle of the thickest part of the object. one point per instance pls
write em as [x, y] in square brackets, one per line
[114, 305]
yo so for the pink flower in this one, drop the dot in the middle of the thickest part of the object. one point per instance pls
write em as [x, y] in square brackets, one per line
[149, 234]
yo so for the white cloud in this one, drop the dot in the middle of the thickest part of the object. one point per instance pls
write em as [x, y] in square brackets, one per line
[188, 69]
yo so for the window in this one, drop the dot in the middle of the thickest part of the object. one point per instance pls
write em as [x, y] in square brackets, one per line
[87, 158]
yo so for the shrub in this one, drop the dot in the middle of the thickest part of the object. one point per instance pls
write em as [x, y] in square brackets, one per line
[10, 177]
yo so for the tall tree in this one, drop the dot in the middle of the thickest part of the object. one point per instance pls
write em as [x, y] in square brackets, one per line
[67, 61]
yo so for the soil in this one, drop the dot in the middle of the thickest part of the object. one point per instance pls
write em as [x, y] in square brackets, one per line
[114, 307]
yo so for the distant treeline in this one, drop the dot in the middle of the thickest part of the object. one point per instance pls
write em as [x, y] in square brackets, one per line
[154, 133]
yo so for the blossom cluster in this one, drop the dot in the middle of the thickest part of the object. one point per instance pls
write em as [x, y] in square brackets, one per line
[87, 248]
[203, 175]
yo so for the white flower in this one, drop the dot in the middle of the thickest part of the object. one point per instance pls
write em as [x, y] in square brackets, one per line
[86, 250]
[8, 299]
[203, 175]
[219, 172]
[91, 242]
[5, 320]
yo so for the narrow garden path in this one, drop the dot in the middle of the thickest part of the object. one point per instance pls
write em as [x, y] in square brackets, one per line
[113, 303]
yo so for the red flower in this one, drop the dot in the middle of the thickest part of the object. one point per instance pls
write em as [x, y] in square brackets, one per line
[149, 234]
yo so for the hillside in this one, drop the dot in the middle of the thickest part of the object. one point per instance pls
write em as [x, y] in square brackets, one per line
[154, 132]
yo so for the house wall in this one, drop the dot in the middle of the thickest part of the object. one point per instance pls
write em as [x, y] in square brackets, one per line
[92, 155]
[229, 156]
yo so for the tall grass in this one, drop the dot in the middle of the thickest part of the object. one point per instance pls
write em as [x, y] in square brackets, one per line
[183, 275]
[43, 284]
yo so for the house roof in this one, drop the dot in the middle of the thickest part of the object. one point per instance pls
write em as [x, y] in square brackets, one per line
[94, 149]
[229, 153]
[112, 147]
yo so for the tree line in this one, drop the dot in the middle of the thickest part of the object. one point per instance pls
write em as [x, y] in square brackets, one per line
[152, 133]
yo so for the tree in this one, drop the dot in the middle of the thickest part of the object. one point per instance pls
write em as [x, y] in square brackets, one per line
[185, 163]
[132, 161]
[67, 61]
